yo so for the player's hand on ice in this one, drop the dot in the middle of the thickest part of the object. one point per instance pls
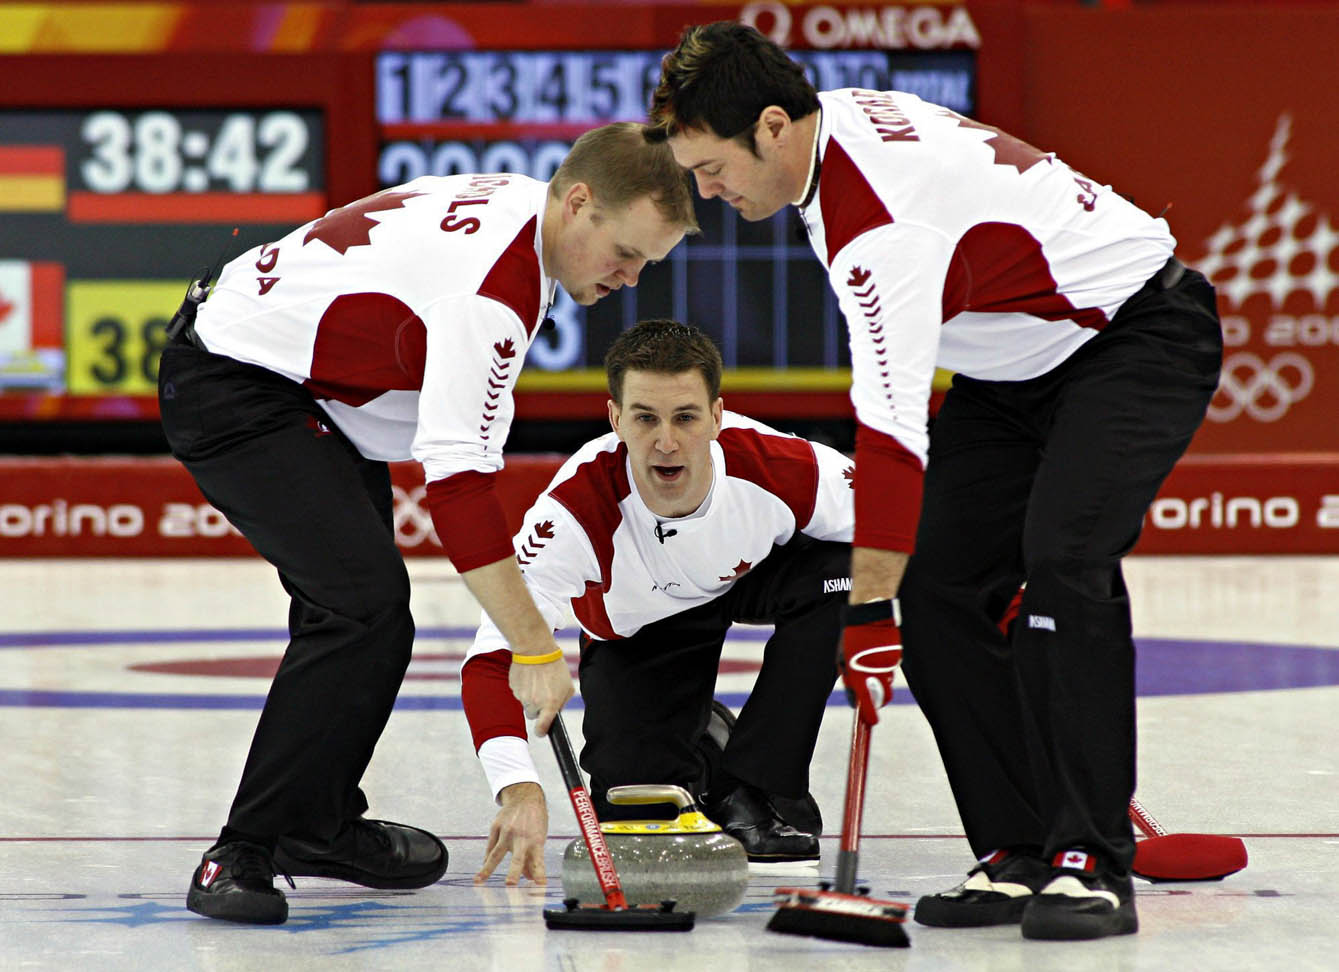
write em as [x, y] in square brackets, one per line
[542, 688]
[870, 652]
[519, 829]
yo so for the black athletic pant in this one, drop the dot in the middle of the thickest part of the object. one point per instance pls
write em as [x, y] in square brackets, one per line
[648, 697]
[1047, 481]
[264, 453]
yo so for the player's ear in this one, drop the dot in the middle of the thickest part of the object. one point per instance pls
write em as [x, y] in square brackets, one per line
[774, 125]
[614, 412]
[577, 197]
[717, 412]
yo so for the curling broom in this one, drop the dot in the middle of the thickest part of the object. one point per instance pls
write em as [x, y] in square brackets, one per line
[1183, 857]
[615, 914]
[843, 912]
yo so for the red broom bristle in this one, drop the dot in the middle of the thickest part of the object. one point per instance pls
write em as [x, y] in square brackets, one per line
[1189, 857]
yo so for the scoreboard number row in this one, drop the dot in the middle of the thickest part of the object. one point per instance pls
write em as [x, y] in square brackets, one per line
[571, 87]
[115, 331]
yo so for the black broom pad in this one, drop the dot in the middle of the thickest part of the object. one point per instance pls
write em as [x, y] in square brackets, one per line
[574, 916]
[862, 930]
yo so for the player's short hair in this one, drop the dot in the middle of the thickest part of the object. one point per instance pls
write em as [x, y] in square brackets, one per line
[620, 165]
[664, 347]
[719, 79]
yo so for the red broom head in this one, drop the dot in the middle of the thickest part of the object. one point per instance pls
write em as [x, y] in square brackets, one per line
[1189, 857]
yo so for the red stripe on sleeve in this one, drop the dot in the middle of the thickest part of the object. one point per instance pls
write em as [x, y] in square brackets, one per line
[469, 519]
[888, 484]
[490, 707]
[850, 205]
[783, 466]
[514, 278]
[592, 495]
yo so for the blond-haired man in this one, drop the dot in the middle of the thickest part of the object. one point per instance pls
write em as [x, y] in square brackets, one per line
[391, 328]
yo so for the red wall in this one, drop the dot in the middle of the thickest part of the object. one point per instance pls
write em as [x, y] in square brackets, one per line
[150, 507]
[1226, 111]
[1179, 104]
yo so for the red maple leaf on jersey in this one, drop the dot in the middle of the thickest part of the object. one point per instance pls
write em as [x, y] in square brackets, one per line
[350, 226]
[1008, 150]
[858, 277]
[849, 473]
[505, 349]
[544, 530]
[740, 570]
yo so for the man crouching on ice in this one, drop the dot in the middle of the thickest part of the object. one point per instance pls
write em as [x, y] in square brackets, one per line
[659, 536]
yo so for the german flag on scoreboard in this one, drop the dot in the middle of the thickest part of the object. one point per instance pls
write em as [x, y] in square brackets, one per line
[32, 178]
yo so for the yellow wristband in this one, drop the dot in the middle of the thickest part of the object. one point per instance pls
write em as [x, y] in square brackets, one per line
[537, 659]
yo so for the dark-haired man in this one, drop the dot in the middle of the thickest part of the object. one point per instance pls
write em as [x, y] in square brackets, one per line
[392, 328]
[1086, 355]
[658, 537]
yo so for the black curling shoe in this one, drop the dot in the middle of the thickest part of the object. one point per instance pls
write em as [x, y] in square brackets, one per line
[235, 882]
[1082, 900]
[995, 893]
[373, 853]
[747, 815]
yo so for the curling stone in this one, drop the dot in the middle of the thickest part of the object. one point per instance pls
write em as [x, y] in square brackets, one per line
[688, 860]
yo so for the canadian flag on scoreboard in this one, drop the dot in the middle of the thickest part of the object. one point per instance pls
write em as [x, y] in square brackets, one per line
[31, 308]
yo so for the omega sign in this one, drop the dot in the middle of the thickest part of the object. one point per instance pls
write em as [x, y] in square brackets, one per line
[890, 27]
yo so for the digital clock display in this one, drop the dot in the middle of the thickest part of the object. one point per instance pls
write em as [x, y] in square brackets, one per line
[189, 166]
[104, 213]
[755, 287]
[160, 151]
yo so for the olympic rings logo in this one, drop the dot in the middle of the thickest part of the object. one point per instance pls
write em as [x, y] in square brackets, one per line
[1263, 390]
[413, 525]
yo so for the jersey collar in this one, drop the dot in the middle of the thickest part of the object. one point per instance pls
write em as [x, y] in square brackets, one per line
[811, 178]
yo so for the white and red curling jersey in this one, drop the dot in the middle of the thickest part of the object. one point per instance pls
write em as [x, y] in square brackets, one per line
[589, 544]
[951, 244]
[407, 315]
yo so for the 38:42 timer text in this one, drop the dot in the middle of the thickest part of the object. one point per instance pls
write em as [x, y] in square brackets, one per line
[199, 151]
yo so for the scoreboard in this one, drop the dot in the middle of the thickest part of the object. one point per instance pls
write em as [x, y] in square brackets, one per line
[115, 199]
[755, 288]
[122, 175]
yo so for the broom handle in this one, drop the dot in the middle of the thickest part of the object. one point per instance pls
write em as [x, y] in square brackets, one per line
[857, 769]
[1144, 820]
[600, 858]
